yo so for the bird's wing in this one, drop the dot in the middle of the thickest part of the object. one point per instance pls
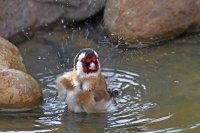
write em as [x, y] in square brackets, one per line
[101, 93]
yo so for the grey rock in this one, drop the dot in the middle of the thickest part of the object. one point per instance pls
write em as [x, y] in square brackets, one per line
[24, 17]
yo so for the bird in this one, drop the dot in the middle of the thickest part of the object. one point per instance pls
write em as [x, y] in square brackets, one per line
[84, 88]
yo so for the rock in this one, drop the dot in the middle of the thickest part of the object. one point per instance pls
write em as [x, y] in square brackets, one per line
[23, 17]
[18, 90]
[149, 21]
[10, 56]
[82, 9]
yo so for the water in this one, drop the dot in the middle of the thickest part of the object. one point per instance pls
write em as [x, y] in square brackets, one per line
[159, 87]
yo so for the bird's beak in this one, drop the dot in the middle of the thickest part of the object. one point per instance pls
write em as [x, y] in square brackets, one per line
[92, 66]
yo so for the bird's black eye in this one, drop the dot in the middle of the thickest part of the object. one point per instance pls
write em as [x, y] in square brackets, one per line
[96, 62]
[85, 63]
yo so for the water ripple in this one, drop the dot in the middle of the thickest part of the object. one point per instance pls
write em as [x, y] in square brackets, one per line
[129, 103]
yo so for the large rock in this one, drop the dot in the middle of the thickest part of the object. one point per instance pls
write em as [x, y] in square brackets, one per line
[10, 56]
[149, 21]
[18, 90]
[24, 16]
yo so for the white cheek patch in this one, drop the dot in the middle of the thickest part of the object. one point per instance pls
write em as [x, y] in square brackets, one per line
[96, 53]
[81, 56]
[79, 69]
[79, 63]
[99, 64]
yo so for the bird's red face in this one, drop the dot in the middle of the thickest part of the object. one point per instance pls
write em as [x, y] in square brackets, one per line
[90, 64]
[87, 63]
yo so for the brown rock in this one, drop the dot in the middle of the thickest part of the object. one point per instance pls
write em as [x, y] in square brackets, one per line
[149, 21]
[18, 90]
[10, 56]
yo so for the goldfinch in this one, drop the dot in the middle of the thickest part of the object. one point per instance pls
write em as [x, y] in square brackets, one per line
[84, 88]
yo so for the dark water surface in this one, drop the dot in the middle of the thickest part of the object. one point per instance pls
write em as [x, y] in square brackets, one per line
[159, 87]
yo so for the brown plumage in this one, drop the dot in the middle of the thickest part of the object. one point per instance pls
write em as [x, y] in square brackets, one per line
[84, 89]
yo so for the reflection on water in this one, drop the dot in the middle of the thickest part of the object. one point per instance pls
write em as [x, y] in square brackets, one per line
[159, 87]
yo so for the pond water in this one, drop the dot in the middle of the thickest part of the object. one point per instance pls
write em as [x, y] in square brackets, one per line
[159, 87]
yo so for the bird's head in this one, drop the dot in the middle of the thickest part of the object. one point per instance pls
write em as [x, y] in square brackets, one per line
[86, 63]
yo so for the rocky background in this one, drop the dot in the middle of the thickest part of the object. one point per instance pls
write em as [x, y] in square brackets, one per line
[23, 17]
[126, 21]
[150, 21]
[18, 90]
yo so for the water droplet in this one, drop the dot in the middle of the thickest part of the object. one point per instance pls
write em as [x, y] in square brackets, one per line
[176, 81]
[62, 21]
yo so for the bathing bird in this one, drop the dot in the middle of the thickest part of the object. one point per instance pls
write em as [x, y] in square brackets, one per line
[84, 88]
